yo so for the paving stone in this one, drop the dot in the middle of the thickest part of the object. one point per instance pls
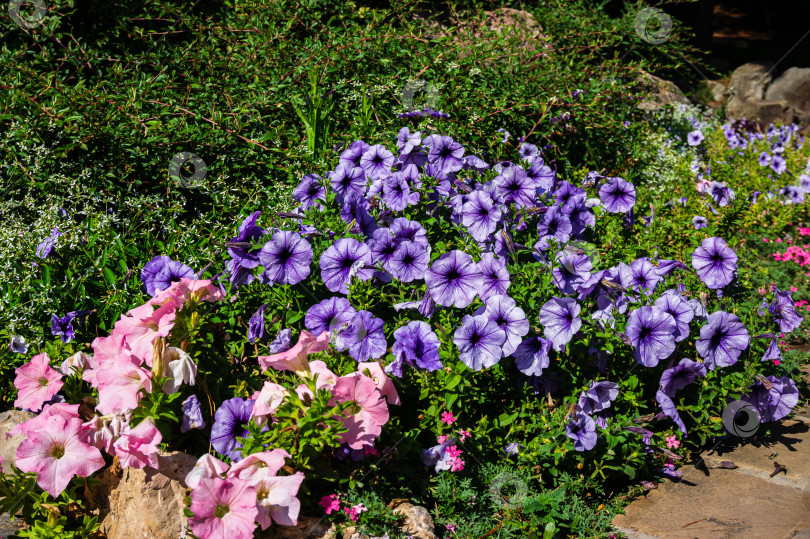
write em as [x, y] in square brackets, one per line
[788, 444]
[722, 505]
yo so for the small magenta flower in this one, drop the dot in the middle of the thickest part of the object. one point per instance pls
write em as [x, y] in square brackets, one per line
[330, 503]
[672, 442]
[447, 418]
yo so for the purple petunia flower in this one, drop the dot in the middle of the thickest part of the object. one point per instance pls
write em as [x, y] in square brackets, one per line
[480, 215]
[286, 258]
[364, 337]
[479, 341]
[669, 409]
[528, 151]
[722, 340]
[256, 325]
[496, 276]
[281, 343]
[403, 229]
[63, 327]
[454, 279]
[652, 333]
[348, 181]
[343, 258]
[572, 272]
[377, 162]
[775, 402]
[640, 276]
[45, 248]
[407, 141]
[784, 311]
[416, 345]
[445, 153]
[681, 375]
[309, 191]
[328, 315]
[715, 262]
[230, 422]
[698, 221]
[245, 256]
[568, 197]
[560, 316]
[531, 356]
[18, 344]
[397, 193]
[598, 398]
[721, 193]
[556, 224]
[694, 138]
[793, 193]
[618, 195]
[506, 134]
[509, 317]
[160, 272]
[673, 303]
[192, 415]
[582, 429]
[354, 153]
[383, 245]
[513, 186]
[764, 159]
[409, 262]
[778, 164]
[772, 353]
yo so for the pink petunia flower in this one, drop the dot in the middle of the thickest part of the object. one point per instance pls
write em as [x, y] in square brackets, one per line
[137, 448]
[120, 383]
[330, 503]
[295, 359]
[794, 289]
[223, 509]
[447, 418]
[368, 414]
[384, 383]
[56, 452]
[267, 400]
[36, 383]
[765, 240]
[142, 325]
[276, 500]
[207, 467]
[259, 465]
[672, 442]
[778, 240]
[185, 290]
[325, 378]
[353, 511]
[464, 434]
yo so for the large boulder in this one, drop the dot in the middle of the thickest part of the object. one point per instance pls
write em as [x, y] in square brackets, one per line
[9, 445]
[793, 87]
[146, 503]
[658, 92]
[747, 90]
[418, 522]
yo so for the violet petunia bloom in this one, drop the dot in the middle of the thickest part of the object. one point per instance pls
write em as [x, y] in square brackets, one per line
[618, 195]
[640, 276]
[722, 340]
[353, 154]
[673, 303]
[309, 191]
[192, 414]
[793, 193]
[681, 375]
[160, 272]
[256, 325]
[772, 353]
[721, 193]
[715, 262]
[652, 333]
[665, 267]
[698, 221]
[776, 402]
[694, 138]
[45, 248]
[397, 193]
[230, 420]
[364, 337]
[531, 356]
[560, 316]
[479, 341]
[509, 317]
[454, 279]
[784, 312]
[568, 197]
[556, 224]
[480, 215]
[348, 181]
[582, 429]
[445, 153]
[669, 409]
[18, 344]
[286, 258]
[244, 256]
[339, 261]
[764, 159]
[528, 151]
[63, 326]
[572, 272]
[416, 345]
[513, 186]
[496, 276]
[475, 163]
[403, 229]
[409, 262]
[377, 162]
[383, 245]
[598, 398]
[778, 164]
[282, 342]
[407, 141]
[328, 315]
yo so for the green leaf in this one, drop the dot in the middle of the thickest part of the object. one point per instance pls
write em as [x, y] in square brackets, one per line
[454, 381]
[507, 419]
[109, 275]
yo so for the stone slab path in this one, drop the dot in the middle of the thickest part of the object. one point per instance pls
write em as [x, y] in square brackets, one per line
[747, 502]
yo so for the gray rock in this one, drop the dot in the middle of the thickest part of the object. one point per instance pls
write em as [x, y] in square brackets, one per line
[750, 80]
[764, 112]
[8, 446]
[794, 88]
[718, 89]
[418, 522]
[658, 92]
[307, 528]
